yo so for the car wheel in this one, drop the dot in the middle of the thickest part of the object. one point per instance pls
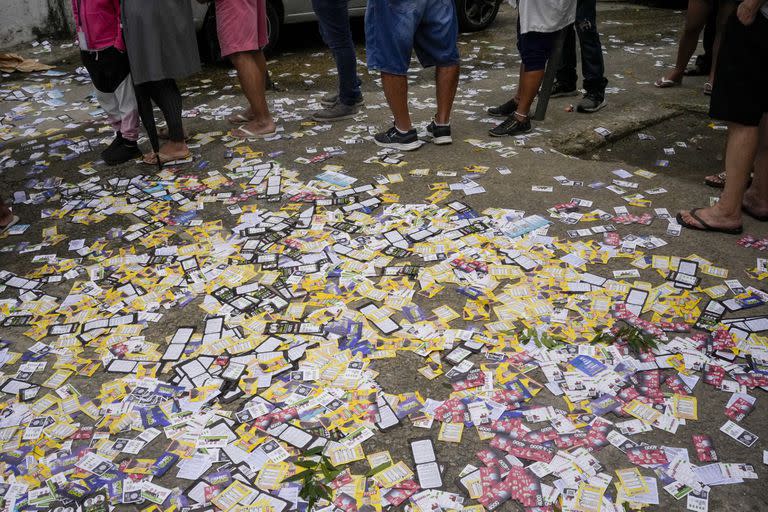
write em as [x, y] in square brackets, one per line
[274, 23]
[476, 15]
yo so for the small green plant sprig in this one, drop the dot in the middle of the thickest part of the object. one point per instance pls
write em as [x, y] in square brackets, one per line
[636, 340]
[540, 340]
[317, 474]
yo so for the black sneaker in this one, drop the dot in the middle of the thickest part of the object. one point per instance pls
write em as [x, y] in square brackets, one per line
[332, 98]
[590, 103]
[395, 139]
[439, 134]
[120, 151]
[511, 126]
[505, 110]
[560, 91]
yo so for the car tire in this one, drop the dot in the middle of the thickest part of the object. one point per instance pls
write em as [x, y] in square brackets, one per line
[476, 15]
[274, 24]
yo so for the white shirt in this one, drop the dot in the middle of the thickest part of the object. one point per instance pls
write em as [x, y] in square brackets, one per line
[545, 15]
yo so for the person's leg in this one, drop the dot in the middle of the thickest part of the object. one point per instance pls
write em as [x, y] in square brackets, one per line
[726, 10]
[6, 215]
[708, 42]
[756, 196]
[530, 81]
[436, 44]
[566, 77]
[167, 96]
[396, 92]
[743, 140]
[535, 50]
[252, 72]
[389, 34]
[592, 65]
[695, 20]
[123, 114]
[108, 103]
[447, 81]
[333, 18]
[508, 108]
[128, 110]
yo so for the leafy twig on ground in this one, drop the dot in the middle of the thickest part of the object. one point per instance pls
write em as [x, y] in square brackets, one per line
[317, 474]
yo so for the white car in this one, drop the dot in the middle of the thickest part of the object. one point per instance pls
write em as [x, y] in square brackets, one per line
[473, 15]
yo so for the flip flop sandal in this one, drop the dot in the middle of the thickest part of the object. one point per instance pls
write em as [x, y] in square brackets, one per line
[705, 226]
[716, 180]
[239, 118]
[151, 159]
[664, 83]
[707, 89]
[242, 132]
[10, 224]
[761, 218]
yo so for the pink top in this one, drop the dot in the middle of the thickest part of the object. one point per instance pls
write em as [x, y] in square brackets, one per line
[99, 22]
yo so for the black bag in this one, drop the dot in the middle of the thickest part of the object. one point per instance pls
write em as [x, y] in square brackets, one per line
[108, 68]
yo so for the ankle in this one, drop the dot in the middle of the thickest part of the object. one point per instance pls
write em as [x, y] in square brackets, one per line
[438, 122]
[403, 131]
[520, 117]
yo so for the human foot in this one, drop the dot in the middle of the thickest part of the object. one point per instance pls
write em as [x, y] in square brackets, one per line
[710, 219]
[169, 152]
[672, 79]
[255, 130]
[241, 117]
[755, 206]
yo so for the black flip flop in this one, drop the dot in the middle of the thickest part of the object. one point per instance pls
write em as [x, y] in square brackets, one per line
[761, 218]
[705, 226]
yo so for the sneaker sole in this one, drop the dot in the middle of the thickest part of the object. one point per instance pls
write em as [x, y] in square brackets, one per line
[508, 134]
[331, 119]
[565, 94]
[439, 141]
[592, 110]
[328, 104]
[410, 146]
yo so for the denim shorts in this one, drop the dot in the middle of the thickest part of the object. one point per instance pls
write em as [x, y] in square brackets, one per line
[393, 28]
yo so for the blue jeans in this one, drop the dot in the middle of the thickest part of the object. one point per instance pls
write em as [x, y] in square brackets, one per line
[395, 28]
[592, 66]
[333, 18]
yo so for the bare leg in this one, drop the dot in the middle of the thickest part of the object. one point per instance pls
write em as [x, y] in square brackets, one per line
[6, 215]
[252, 72]
[725, 12]
[396, 92]
[447, 80]
[756, 197]
[695, 20]
[530, 81]
[742, 146]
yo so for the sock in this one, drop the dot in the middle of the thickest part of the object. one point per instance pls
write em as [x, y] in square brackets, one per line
[439, 124]
[401, 132]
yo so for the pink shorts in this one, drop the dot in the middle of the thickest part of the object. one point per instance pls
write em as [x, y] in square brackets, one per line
[241, 25]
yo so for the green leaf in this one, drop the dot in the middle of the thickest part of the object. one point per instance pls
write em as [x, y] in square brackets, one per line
[317, 450]
[325, 492]
[380, 467]
[306, 464]
[297, 476]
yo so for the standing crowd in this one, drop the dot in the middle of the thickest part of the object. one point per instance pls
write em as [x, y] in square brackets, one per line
[136, 50]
